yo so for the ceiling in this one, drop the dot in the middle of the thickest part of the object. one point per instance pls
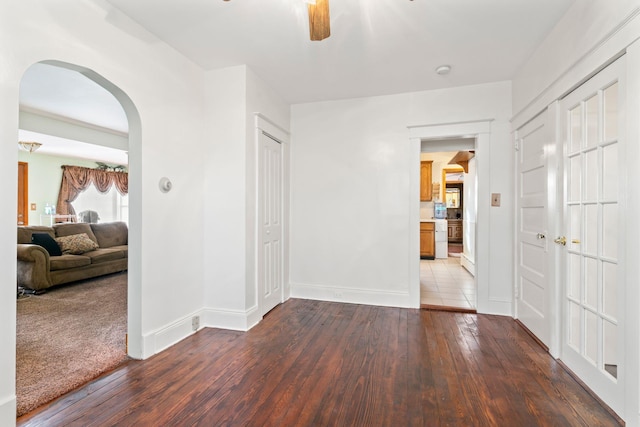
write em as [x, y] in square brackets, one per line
[66, 94]
[376, 47]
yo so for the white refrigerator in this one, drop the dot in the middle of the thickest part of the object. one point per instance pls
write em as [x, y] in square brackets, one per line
[442, 240]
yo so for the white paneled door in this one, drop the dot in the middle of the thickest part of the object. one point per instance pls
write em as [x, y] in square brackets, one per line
[593, 232]
[270, 230]
[533, 293]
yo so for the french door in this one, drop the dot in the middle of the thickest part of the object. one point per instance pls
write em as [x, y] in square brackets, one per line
[270, 229]
[592, 243]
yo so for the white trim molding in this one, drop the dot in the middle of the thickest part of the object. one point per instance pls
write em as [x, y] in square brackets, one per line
[613, 45]
[480, 130]
[351, 295]
[162, 338]
[236, 320]
[8, 408]
[468, 264]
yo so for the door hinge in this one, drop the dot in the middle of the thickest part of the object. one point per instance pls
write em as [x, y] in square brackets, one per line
[516, 145]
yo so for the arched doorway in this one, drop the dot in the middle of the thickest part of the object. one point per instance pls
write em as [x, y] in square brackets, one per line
[133, 137]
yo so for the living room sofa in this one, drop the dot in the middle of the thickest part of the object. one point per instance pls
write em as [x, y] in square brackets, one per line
[38, 269]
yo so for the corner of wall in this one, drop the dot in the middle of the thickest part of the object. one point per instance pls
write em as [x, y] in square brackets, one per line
[236, 320]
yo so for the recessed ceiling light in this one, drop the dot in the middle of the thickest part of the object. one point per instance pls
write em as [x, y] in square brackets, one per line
[443, 69]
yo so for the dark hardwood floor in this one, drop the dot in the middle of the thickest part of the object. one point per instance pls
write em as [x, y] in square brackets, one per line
[311, 363]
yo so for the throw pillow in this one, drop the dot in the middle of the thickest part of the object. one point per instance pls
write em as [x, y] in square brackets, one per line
[76, 244]
[46, 241]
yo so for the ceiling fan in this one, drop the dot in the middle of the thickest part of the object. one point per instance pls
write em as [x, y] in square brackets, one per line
[319, 28]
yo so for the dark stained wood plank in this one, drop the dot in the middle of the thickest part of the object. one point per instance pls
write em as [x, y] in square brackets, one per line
[312, 363]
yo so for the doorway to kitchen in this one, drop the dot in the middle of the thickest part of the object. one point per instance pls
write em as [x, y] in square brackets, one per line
[445, 283]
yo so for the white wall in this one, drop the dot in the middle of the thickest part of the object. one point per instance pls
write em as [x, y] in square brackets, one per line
[45, 175]
[351, 196]
[233, 95]
[260, 99]
[167, 92]
[585, 26]
[225, 181]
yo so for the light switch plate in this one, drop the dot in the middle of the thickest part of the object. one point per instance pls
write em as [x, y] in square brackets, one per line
[495, 199]
[33, 206]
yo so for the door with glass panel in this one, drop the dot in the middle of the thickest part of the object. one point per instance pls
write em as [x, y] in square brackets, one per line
[593, 227]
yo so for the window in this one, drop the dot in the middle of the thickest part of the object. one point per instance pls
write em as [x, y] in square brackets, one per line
[110, 206]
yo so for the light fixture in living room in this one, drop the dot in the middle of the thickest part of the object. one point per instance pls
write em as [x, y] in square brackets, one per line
[29, 146]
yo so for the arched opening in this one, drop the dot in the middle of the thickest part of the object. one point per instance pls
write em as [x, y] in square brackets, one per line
[132, 139]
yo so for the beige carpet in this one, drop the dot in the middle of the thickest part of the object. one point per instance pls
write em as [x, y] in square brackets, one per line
[68, 336]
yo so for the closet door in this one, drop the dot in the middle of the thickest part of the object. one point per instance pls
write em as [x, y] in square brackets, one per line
[592, 240]
[534, 283]
[270, 229]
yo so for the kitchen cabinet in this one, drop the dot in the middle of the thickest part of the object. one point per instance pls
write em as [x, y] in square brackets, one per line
[427, 240]
[426, 184]
[454, 230]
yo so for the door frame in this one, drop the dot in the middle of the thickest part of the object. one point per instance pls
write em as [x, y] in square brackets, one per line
[136, 347]
[263, 125]
[481, 132]
[25, 190]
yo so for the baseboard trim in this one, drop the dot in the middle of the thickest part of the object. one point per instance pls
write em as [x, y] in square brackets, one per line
[163, 338]
[468, 264]
[351, 296]
[236, 320]
[432, 307]
[532, 335]
[498, 307]
[8, 411]
[591, 392]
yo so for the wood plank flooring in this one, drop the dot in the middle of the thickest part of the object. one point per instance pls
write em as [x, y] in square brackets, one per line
[311, 363]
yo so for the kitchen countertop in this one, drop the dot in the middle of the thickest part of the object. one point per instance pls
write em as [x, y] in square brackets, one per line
[431, 220]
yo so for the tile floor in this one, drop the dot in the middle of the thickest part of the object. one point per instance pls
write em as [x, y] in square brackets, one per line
[445, 282]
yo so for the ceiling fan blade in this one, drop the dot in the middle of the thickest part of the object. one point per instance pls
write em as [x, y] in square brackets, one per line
[319, 25]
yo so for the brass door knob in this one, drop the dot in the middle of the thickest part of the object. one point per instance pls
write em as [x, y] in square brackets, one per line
[561, 241]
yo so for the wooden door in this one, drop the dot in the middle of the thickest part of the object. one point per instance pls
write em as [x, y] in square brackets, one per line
[270, 230]
[533, 291]
[593, 234]
[23, 193]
